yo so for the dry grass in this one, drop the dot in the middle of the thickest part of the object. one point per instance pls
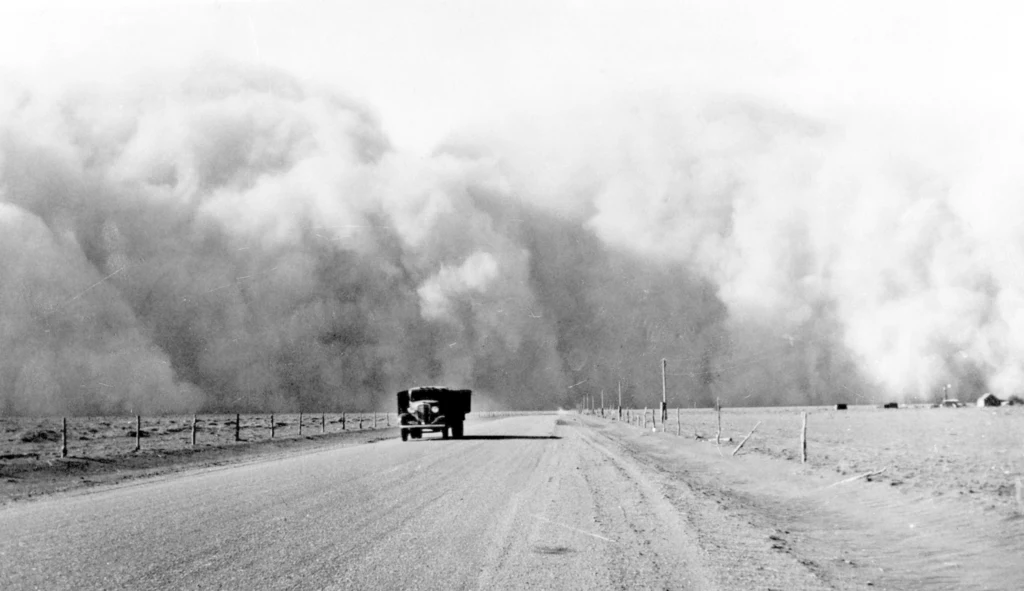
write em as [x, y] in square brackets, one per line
[107, 437]
[101, 450]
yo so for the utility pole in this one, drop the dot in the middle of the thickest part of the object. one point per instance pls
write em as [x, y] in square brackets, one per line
[620, 399]
[664, 392]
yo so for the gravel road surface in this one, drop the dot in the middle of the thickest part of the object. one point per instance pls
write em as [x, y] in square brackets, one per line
[527, 502]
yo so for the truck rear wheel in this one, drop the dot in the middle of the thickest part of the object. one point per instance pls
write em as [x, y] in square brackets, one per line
[405, 435]
[457, 430]
[444, 433]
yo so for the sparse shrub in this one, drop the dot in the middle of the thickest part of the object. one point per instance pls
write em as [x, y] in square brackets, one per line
[40, 436]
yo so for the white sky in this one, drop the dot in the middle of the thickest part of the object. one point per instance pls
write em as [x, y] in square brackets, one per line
[429, 68]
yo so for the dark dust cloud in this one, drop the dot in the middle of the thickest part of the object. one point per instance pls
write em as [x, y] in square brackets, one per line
[234, 239]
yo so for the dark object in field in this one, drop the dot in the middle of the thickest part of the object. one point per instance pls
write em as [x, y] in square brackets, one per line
[40, 436]
[432, 409]
[140, 433]
[840, 406]
[891, 405]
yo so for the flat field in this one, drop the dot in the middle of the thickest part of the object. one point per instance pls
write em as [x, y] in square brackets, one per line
[976, 454]
[101, 450]
[970, 452]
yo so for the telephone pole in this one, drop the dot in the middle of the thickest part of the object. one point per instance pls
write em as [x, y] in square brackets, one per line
[620, 399]
[664, 392]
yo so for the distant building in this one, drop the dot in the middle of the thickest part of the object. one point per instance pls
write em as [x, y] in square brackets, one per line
[989, 399]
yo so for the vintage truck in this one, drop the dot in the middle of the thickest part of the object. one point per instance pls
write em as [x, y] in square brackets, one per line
[432, 409]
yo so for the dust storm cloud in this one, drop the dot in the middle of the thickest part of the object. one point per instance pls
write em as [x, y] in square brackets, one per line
[859, 257]
[233, 238]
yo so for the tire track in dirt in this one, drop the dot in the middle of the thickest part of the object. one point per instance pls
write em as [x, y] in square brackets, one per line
[852, 535]
[652, 544]
[720, 549]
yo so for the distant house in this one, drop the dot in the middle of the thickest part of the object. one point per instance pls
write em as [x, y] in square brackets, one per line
[989, 399]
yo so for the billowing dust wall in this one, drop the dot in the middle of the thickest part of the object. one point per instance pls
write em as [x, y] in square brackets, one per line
[235, 239]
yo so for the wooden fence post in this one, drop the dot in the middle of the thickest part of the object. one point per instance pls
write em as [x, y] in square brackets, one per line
[138, 432]
[664, 395]
[718, 411]
[238, 427]
[273, 425]
[64, 437]
[323, 423]
[645, 418]
[803, 440]
[193, 430]
[343, 421]
[679, 422]
[746, 438]
[300, 424]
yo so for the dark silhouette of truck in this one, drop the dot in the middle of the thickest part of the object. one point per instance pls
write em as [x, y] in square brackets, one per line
[432, 409]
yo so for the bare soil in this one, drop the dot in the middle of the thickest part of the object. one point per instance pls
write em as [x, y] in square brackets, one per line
[912, 527]
[101, 450]
[939, 517]
[974, 453]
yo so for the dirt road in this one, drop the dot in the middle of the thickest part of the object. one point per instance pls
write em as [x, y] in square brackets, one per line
[539, 502]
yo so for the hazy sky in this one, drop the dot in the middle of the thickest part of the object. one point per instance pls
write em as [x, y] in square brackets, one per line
[429, 68]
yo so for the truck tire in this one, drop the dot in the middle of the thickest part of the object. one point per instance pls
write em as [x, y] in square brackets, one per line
[405, 435]
[457, 430]
[444, 433]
